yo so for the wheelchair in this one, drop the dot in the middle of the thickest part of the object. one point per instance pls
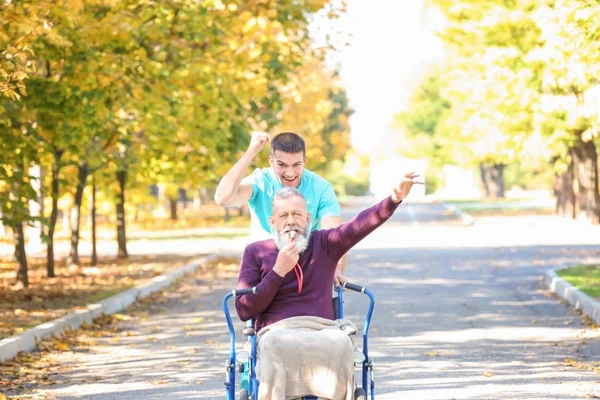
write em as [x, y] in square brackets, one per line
[245, 362]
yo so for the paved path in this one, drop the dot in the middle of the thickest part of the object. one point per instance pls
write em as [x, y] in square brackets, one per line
[460, 314]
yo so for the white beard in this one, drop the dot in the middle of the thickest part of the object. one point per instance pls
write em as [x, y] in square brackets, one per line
[301, 239]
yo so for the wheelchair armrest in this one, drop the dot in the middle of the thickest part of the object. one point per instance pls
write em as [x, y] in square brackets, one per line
[249, 331]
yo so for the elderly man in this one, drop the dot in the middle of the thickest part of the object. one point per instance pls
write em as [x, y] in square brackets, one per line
[301, 349]
[287, 169]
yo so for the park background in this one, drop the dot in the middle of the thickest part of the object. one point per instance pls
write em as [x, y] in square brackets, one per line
[118, 118]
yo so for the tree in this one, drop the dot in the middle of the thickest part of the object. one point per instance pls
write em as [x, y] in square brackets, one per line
[21, 26]
[491, 88]
[423, 122]
[567, 115]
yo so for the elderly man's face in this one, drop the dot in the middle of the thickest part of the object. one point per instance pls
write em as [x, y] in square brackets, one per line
[290, 215]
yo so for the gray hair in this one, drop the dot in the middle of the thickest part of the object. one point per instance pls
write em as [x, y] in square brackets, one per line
[286, 193]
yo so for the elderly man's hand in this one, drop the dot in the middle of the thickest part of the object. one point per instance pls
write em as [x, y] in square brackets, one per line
[403, 188]
[286, 259]
[338, 278]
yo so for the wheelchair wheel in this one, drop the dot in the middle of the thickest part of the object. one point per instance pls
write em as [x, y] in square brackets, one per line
[244, 394]
[359, 394]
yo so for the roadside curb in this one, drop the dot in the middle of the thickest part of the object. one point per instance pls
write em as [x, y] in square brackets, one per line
[27, 341]
[467, 219]
[575, 297]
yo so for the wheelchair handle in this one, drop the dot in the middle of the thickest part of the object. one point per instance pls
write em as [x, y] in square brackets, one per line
[241, 292]
[356, 288]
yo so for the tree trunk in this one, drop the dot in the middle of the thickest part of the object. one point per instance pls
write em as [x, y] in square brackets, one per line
[205, 196]
[41, 200]
[53, 214]
[584, 159]
[22, 271]
[76, 213]
[492, 178]
[565, 196]
[173, 208]
[121, 232]
[93, 214]
[227, 215]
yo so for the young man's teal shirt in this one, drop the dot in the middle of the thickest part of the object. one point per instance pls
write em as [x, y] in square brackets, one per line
[319, 194]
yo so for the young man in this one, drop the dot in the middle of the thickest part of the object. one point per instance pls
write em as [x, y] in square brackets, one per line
[301, 350]
[287, 169]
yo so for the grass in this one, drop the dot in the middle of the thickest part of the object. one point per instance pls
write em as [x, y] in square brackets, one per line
[584, 277]
[508, 212]
[485, 200]
[506, 207]
[212, 216]
[224, 235]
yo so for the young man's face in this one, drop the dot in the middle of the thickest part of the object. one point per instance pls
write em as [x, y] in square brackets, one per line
[288, 167]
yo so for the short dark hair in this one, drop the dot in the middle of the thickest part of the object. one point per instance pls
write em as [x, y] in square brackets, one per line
[288, 142]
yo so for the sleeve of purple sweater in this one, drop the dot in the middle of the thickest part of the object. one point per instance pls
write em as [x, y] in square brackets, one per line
[347, 235]
[251, 305]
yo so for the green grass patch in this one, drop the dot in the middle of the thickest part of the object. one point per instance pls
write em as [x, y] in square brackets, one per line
[199, 236]
[504, 212]
[503, 207]
[105, 294]
[486, 200]
[584, 277]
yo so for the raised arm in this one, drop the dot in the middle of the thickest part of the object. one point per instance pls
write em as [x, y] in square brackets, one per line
[232, 190]
[347, 235]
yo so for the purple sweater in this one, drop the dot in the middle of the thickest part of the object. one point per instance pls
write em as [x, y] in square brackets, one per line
[277, 298]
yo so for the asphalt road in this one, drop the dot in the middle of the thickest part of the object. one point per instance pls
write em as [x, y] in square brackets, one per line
[460, 314]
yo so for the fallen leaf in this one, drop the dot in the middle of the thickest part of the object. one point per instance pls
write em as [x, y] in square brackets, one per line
[62, 346]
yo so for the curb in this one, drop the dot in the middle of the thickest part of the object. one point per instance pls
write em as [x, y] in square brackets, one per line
[27, 341]
[575, 297]
[467, 219]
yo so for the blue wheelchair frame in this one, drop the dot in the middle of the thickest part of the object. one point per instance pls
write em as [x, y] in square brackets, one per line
[250, 383]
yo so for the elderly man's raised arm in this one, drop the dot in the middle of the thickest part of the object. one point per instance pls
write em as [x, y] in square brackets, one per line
[251, 305]
[346, 236]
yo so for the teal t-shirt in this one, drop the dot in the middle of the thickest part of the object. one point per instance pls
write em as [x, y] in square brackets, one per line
[319, 194]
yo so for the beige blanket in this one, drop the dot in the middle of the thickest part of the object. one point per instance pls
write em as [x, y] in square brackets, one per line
[303, 356]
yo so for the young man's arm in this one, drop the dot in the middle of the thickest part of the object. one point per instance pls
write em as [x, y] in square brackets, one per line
[232, 190]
